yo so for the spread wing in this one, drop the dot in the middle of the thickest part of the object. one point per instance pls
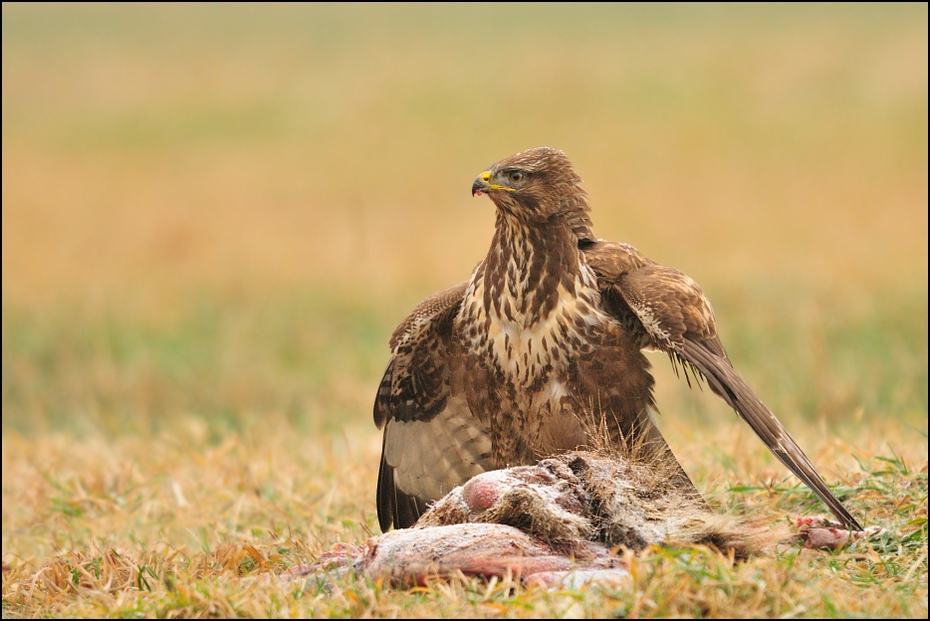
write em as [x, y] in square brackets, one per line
[671, 314]
[432, 442]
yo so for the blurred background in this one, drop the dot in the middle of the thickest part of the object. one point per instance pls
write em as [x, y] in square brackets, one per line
[214, 215]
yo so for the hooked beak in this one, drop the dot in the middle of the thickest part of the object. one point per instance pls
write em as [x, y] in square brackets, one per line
[480, 186]
[483, 185]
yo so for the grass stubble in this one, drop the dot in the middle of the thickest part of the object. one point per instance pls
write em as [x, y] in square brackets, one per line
[205, 249]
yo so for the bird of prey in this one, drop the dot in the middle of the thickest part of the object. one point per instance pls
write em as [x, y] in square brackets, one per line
[541, 351]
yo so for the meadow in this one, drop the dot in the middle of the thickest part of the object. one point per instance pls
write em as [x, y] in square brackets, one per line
[214, 216]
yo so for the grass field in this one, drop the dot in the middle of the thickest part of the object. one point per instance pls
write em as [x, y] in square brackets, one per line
[214, 216]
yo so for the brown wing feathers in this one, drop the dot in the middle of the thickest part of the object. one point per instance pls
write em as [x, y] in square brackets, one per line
[728, 384]
[431, 442]
[679, 320]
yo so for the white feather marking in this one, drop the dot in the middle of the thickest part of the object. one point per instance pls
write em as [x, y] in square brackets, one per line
[652, 325]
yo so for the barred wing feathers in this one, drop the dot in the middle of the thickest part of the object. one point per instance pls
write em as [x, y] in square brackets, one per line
[432, 442]
[673, 315]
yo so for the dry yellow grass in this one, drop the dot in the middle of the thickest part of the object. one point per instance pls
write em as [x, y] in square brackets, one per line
[214, 216]
[173, 526]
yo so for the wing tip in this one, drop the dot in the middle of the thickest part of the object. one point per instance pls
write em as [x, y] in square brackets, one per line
[385, 496]
[396, 508]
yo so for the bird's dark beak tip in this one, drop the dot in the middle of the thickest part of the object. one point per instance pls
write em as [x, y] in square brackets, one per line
[478, 187]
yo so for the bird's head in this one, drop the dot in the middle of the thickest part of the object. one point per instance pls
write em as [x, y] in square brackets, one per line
[535, 187]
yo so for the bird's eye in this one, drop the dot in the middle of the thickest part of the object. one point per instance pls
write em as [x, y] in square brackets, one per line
[516, 176]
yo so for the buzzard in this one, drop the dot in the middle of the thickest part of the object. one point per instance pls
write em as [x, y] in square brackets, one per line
[541, 352]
